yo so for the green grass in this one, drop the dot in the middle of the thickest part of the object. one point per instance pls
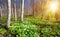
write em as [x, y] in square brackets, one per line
[31, 27]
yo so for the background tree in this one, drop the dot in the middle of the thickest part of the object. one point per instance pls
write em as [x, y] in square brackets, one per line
[15, 14]
[28, 10]
[1, 11]
[32, 4]
[1, 4]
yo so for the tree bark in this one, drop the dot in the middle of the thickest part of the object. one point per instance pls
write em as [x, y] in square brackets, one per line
[1, 12]
[12, 13]
[15, 14]
[22, 11]
[9, 14]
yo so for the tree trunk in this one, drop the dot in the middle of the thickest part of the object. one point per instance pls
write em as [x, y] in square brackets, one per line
[1, 12]
[15, 14]
[33, 7]
[22, 11]
[9, 14]
[12, 13]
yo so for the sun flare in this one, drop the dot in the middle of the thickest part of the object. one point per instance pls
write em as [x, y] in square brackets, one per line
[53, 6]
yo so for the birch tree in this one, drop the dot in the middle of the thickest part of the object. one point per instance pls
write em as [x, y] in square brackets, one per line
[9, 14]
[28, 7]
[1, 12]
[22, 14]
[12, 13]
[32, 2]
[15, 14]
[1, 3]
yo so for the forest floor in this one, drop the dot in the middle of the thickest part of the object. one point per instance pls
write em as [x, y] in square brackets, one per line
[31, 27]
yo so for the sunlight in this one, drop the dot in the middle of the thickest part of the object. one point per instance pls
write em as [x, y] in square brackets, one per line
[53, 6]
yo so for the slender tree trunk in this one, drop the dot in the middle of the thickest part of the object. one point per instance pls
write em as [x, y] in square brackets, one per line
[12, 13]
[1, 12]
[22, 11]
[33, 7]
[9, 14]
[15, 12]
[28, 8]
[33, 11]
